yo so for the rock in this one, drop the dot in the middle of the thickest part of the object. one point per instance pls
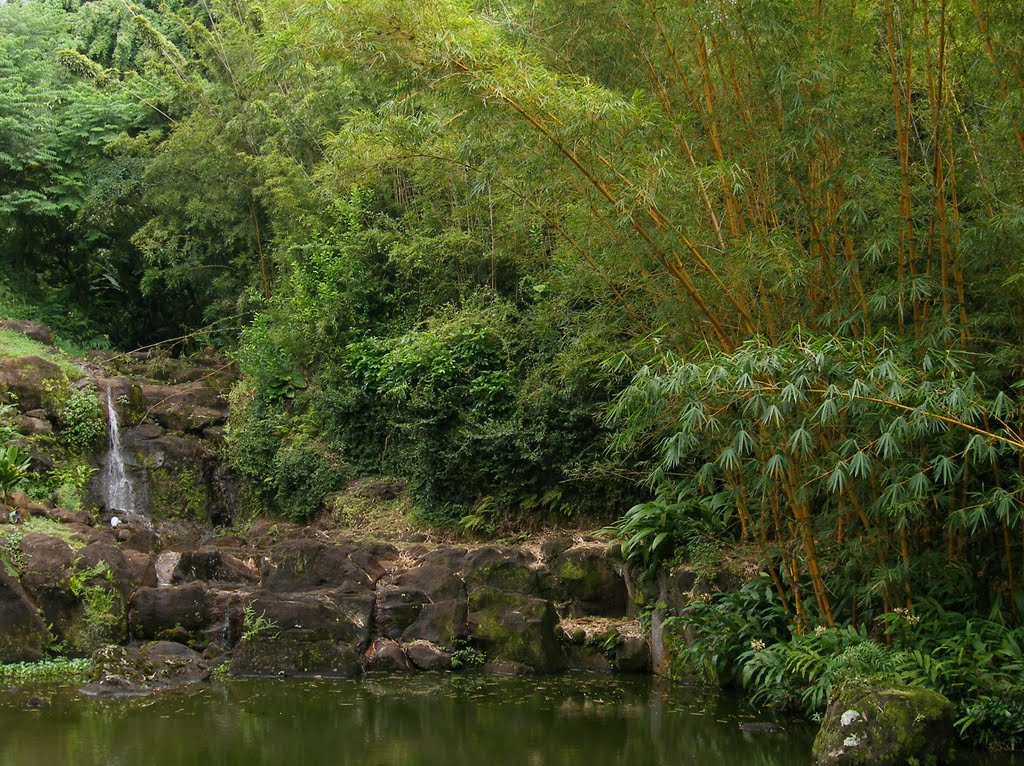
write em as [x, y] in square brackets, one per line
[212, 565]
[317, 616]
[581, 656]
[46, 578]
[397, 608]
[160, 613]
[427, 656]
[140, 568]
[183, 407]
[590, 582]
[297, 565]
[37, 331]
[23, 634]
[145, 667]
[441, 623]
[517, 628]
[885, 727]
[376, 489]
[631, 655]
[386, 656]
[760, 727]
[32, 426]
[71, 517]
[268, 655]
[114, 687]
[30, 380]
[509, 569]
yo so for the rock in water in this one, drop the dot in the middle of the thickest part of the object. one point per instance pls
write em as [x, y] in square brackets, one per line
[885, 727]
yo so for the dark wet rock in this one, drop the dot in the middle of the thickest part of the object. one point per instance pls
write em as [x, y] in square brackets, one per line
[590, 582]
[114, 687]
[761, 727]
[385, 655]
[183, 407]
[427, 656]
[886, 727]
[23, 634]
[145, 667]
[100, 555]
[140, 568]
[267, 655]
[35, 703]
[296, 565]
[397, 608]
[631, 655]
[213, 565]
[71, 517]
[30, 380]
[226, 624]
[581, 656]
[160, 613]
[442, 623]
[317, 615]
[37, 331]
[448, 557]
[515, 628]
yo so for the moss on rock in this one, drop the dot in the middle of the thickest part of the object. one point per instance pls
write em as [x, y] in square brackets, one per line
[886, 727]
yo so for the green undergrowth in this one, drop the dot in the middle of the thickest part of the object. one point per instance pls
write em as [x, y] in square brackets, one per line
[56, 670]
[742, 639]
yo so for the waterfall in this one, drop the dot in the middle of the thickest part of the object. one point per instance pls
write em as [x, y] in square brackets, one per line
[118, 490]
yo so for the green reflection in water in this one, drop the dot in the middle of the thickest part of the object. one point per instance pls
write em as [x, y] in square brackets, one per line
[422, 720]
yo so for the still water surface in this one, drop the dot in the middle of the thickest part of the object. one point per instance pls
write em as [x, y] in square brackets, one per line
[423, 720]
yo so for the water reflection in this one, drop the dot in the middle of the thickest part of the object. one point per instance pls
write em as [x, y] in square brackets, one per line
[423, 720]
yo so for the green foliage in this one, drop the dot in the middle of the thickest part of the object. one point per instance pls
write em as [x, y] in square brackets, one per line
[56, 670]
[103, 615]
[786, 443]
[467, 656]
[68, 484]
[82, 421]
[255, 625]
[14, 469]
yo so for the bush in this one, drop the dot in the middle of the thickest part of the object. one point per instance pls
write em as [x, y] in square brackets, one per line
[82, 421]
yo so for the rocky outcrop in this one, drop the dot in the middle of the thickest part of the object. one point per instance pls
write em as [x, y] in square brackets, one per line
[293, 601]
[30, 381]
[885, 727]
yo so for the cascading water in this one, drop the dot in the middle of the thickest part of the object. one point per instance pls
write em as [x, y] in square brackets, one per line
[118, 490]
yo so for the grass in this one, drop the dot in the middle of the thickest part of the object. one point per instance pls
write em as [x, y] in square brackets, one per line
[14, 344]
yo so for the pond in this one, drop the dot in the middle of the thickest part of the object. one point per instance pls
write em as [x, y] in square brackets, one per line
[423, 720]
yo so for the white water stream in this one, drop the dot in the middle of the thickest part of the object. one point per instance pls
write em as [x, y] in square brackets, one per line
[118, 490]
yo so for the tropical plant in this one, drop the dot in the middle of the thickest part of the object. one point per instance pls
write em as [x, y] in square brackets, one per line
[14, 469]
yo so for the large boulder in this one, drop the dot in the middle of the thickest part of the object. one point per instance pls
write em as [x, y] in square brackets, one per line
[502, 568]
[176, 612]
[427, 603]
[31, 381]
[316, 616]
[36, 331]
[515, 631]
[297, 565]
[23, 634]
[885, 727]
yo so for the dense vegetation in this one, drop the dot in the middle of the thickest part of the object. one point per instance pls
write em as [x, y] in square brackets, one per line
[764, 256]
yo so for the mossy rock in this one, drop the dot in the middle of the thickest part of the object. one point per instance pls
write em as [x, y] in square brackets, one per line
[886, 727]
[267, 655]
[514, 628]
